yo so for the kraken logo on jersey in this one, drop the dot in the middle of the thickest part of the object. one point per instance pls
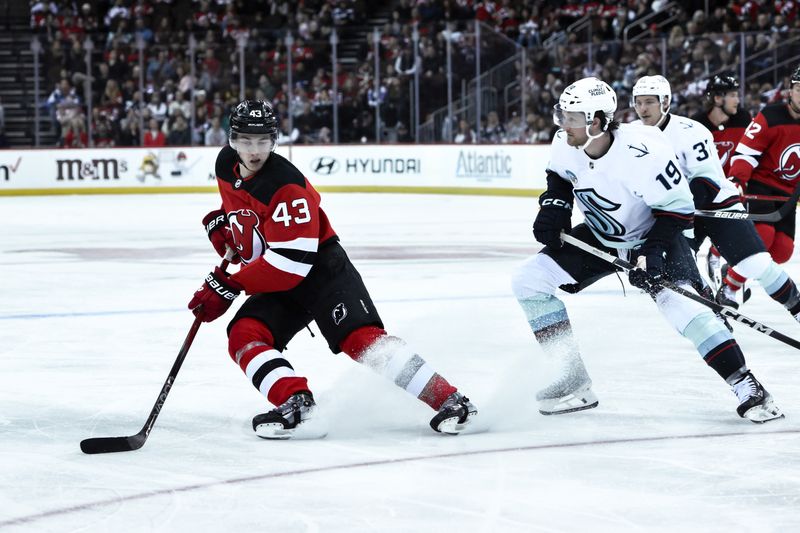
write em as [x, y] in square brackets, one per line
[250, 244]
[789, 162]
[596, 212]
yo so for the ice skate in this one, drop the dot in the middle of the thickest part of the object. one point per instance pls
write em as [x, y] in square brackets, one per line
[755, 403]
[580, 399]
[571, 392]
[454, 415]
[727, 297]
[282, 422]
[714, 268]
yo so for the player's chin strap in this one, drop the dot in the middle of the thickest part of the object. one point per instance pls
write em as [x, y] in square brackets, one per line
[591, 137]
[714, 306]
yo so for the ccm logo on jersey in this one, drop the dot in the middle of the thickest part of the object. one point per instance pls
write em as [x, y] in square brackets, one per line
[250, 243]
[556, 202]
[219, 289]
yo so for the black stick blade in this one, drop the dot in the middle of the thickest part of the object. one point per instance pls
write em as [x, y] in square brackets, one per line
[112, 444]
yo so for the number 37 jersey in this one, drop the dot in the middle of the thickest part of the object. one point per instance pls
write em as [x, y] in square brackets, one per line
[276, 221]
[621, 192]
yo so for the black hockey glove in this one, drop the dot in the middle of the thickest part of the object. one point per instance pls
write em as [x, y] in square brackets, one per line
[649, 272]
[555, 216]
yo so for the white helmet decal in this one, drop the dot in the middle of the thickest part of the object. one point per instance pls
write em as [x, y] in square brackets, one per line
[588, 96]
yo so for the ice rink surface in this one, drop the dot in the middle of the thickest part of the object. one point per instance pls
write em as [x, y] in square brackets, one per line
[92, 315]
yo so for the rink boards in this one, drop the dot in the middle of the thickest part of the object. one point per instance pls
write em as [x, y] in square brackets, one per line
[467, 169]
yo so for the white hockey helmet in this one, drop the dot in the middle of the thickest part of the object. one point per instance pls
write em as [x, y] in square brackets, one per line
[587, 96]
[653, 86]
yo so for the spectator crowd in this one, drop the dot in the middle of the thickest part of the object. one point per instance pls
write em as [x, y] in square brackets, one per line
[147, 100]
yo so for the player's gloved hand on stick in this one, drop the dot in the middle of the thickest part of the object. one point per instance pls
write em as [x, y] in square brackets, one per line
[649, 271]
[554, 216]
[220, 234]
[215, 296]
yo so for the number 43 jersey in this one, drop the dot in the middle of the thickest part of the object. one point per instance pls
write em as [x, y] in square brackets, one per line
[621, 192]
[276, 222]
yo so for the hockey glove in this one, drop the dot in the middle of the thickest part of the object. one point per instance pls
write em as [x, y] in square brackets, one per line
[555, 216]
[649, 272]
[220, 235]
[215, 296]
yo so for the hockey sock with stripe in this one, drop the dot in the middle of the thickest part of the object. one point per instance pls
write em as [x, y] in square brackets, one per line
[250, 344]
[548, 319]
[715, 344]
[393, 359]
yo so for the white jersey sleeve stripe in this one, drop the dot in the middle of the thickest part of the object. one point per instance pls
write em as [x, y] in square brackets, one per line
[287, 265]
[743, 149]
[305, 244]
[752, 161]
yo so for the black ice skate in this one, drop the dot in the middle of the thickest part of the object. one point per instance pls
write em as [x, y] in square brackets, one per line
[755, 403]
[454, 414]
[281, 422]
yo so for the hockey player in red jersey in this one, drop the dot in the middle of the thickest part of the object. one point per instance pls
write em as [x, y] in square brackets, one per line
[295, 271]
[767, 162]
[724, 117]
[726, 120]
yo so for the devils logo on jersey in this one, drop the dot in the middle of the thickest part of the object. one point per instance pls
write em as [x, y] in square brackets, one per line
[724, 149]
[339, 313]
[789, 162]
[250, 244]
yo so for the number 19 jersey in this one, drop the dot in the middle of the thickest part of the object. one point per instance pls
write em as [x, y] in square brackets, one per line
[621, 192]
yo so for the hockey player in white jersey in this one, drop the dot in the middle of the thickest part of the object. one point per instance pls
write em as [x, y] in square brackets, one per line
[636, 202]
[737, 240]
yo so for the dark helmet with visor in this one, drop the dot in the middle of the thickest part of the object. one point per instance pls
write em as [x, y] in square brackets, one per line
[253, 124]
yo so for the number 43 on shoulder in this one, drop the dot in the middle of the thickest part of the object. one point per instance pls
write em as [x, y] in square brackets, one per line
[295, 212]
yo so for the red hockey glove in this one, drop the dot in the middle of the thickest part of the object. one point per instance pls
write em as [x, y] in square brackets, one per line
[220, 235]
[215, 296]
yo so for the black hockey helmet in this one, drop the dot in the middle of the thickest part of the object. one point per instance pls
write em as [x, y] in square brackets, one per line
[254, 117]
[796, 75]
[721, 84]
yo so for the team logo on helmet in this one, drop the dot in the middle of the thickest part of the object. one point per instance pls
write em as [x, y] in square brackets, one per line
[250, 243]
[789, 162]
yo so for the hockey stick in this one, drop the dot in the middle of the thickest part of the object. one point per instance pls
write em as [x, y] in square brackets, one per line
[134, 442]
[775, 216]
[765, 198]
[714, 306]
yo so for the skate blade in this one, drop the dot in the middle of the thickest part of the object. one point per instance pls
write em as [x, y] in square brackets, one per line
[570, 409]
[305, 430]
[763, 413]
[580, 400]
[451, 426]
